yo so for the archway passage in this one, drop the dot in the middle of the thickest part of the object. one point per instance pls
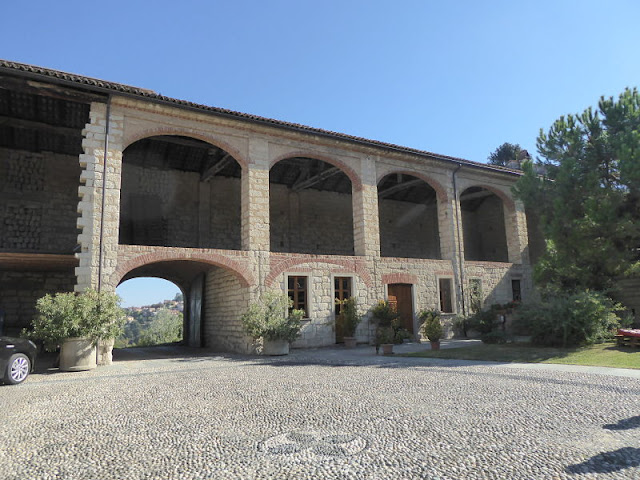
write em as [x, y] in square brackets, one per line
[408, 215]
[154, 309]
[483, 225]
[180, 192]
[310, 208]
[214, 299]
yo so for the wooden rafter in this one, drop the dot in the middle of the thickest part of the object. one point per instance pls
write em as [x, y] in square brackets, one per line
[40, 126]
[301, 185]
[216, 168]
[397, 188]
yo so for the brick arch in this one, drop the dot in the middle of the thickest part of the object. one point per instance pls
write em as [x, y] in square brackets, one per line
[356, 182]
[348, 266]
[399, 278]
[241, 272]
[130, 139]
[441, 192]
[507, 201]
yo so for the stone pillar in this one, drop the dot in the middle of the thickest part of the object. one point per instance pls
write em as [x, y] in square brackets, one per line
[255, 197]
[90, 192]
[452, 244]
[515, 222]
[366, 224]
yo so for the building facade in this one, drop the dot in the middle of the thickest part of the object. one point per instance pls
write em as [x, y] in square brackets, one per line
[102, 182]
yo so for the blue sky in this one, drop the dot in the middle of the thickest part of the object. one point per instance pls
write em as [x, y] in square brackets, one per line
[457, 78]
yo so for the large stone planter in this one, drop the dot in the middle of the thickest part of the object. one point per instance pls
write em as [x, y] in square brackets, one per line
[105, 351]
[77, 354]
[275, 347]
[350, 342]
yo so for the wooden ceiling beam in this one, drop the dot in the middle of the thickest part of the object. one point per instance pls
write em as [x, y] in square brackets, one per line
[301, 185]
[40, 126]
[397, 188]
[216, 168]
[49, 90]
[475, 195]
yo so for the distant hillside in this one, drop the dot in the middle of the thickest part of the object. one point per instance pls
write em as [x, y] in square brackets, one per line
[155, 324]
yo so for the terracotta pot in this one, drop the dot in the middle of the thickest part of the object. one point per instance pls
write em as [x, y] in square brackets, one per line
[275, 347]
[349, 342]
[387, 348]
[435, 345]
[77, 354]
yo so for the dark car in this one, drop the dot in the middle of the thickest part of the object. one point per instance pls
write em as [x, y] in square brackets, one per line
[17, 359]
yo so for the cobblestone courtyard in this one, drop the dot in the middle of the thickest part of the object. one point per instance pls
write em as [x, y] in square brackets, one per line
[316, 415]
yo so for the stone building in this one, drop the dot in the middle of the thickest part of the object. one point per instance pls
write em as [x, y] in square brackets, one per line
[102, 182]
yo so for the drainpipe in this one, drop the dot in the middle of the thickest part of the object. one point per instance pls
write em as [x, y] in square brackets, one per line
[459, 242]
[104, 193]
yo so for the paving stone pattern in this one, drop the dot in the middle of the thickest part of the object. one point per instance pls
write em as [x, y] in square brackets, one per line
[311, 415]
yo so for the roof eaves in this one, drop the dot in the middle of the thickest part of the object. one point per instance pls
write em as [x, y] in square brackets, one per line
[110, 87]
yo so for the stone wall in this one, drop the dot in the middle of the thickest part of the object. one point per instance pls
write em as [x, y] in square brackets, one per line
[38, 202]
[310, 221]
[408, 230]
[484, 232]
[175, 209]
[225, 300]
[20, 290]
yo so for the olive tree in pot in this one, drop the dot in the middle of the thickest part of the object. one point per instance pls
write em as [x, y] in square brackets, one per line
[77, 322]
[272, 320]
[350, 320]
[385, 318]
[432, 327]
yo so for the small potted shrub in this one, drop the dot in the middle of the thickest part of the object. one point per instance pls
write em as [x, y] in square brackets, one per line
[350, 320]
[77, 322]
[432, 327]
[384, 338]
[272, 320]
[385, 318]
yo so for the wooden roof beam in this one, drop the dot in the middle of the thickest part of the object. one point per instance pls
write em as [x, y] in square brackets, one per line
[41, 126]
[216, 168]
[401, 186]
[330, 172]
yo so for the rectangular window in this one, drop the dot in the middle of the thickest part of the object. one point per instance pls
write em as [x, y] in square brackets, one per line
[342, 291]
[446, 295]
[516, 293]
[297, 290]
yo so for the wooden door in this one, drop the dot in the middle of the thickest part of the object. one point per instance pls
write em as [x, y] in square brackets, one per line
[400, 294]
[342, 291]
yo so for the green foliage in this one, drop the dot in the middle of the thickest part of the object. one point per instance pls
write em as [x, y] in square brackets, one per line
[350, 316]
[495, 337]
[385, 335]
[165, 327]
[565, 320]
[400, 335]
[484, 321]
[90, 315]
[431, 326]
[384, 314]
[505, 153]
[268, 318]
[588, 201]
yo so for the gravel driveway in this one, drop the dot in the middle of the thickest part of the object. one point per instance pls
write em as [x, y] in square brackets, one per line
[319, 414]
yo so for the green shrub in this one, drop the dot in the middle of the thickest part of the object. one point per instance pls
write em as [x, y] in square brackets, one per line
[268, 318]
[385, 335]
[483, 322]
[350, 317]
[90, 315]
[566, 320]
[431, 326]
[384, 314]
[495, 337]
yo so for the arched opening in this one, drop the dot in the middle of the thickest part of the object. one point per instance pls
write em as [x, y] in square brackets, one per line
[180, 192]
[310, 208]
[408, 216]
[154, 309]
[214, 297]
[483, 225]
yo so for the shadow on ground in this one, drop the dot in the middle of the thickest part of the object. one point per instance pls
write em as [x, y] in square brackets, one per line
[608, 462]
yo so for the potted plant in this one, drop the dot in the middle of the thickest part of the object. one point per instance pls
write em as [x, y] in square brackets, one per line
[77, 322]
[350, 319]
[385, 317]
[432, 327]
[273, 320]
